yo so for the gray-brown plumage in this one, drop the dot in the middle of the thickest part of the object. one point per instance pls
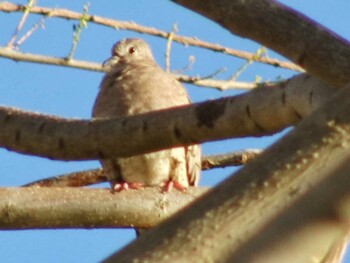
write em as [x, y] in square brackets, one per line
[135, 84]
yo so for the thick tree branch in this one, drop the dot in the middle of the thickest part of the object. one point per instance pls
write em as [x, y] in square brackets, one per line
[32, 207]
[309, 227]
[260, 112]
[284, 30]
[337, 250]
[227, 218]
[67, 14]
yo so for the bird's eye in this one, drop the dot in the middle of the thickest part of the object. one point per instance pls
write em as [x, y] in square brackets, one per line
[132, 50]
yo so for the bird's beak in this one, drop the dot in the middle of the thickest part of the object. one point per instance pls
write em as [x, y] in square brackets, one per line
[110, 62]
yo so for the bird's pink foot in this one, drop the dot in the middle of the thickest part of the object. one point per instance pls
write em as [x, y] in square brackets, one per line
[169, 185]
[118, 187]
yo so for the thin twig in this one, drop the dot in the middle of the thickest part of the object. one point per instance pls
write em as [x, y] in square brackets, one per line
[191, 60]
[30, 32]
[67, 14]
[168, 47]
[245, 65]
[214, 74]
[94, 176]
[219, 84]
[75, 179]
[77, 29]
[26, 12]
[229, 159]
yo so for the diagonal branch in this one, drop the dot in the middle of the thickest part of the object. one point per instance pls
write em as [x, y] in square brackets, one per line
[307, 228]
[19, 27]
[244, 208]
[284, 30]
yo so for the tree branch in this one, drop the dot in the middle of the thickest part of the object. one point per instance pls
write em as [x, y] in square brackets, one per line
[95, 176]
[306, 229]
[284, 30]
[224, 222]
[41, 59]
[33, 208]
[75, 179]
[86, 65]
[228, 159]
[219, 84]
[67, 14]
[260, 112]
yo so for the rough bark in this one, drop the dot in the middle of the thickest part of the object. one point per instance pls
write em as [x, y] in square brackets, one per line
[40, 208]
[260, 112]
[290, 33]
[228, 217]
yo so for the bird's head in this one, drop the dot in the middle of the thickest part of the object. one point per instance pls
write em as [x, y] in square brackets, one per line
[127, 51]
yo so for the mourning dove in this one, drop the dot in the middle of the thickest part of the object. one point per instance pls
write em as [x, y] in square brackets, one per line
[135, 84]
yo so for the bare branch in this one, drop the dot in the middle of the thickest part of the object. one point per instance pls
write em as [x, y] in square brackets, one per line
[168, 47]
[214, 74]
[20, 41]
[229, 159]
[77, 29]
[258, 53]
[95, 176]
[26, 12]
[284, 30]
[75, 179]
[32, 207]
[308, 228]
[337, 250]
[19, 56]
[248, 114]
[218, 84]
[191, 60]
[67, 14]
[257, 214]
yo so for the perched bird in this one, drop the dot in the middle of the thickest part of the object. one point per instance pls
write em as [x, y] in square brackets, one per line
[135, 84]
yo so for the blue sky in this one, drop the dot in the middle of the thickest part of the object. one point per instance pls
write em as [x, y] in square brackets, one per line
[70, 93]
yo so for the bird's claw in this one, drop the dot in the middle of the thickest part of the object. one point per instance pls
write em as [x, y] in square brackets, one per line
[169, 185]
[118, 187]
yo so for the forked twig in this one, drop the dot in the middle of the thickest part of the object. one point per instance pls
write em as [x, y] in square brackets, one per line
[26, 12]
[38, 24]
